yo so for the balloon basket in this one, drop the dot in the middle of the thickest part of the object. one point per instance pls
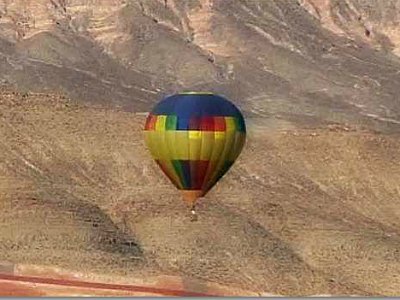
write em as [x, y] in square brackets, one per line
[193, 215]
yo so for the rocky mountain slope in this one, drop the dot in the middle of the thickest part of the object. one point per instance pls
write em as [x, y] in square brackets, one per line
[314, 60]
[311, 205]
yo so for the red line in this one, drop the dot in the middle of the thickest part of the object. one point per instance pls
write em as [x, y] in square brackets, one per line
[104, 286]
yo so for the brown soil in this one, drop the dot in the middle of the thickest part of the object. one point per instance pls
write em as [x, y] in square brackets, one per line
[303, 211]
[20, 290]
[76, 286]
[38, 280]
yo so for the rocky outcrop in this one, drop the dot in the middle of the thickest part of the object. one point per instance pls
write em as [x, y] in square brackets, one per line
[323, 61]
[375, 23]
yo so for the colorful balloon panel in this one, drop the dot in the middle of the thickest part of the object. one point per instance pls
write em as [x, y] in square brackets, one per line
[195, 138]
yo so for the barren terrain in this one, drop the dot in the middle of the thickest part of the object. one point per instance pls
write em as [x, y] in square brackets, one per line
[305, 211]
[312, 205]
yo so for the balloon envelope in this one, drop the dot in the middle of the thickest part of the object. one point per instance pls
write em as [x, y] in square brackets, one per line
[195, 138]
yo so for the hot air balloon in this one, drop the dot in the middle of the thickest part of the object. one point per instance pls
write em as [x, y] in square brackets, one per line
[195, 138]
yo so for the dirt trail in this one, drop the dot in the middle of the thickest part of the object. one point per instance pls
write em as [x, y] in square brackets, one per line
[13, 285]
[36, 280]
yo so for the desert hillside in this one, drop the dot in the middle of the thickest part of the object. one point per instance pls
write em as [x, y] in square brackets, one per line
[306, 211]
[311, 207]
[302, 61]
